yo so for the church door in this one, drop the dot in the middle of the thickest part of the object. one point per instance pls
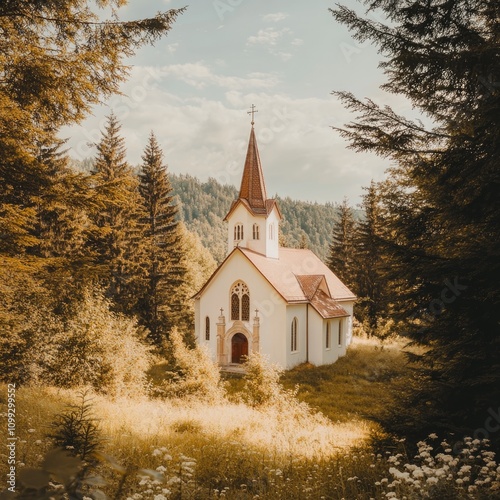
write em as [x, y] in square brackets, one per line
[239, 348]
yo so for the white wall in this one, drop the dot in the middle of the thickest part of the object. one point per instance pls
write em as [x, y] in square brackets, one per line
[315, 337]
[300, 356]
[264, 245]
[272, 308]
[349, 307]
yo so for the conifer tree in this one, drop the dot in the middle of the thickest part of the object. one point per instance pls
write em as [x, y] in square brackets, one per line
[442, 203]
[341, 259]
[370, 261]
[117, 240]
[163, 305]
[58, 60]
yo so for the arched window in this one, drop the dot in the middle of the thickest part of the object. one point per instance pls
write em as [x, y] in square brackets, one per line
[245, 307]
[293, 335]
[256, 232]
[340, 332]
[327, 338]
[240, 302]
[238, 232]
[207, 328]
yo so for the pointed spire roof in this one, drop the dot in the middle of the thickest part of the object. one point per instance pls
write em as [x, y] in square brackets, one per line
[253, 188]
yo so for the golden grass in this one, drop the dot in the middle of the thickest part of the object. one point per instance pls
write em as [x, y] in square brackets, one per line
[265, 429]
[280, 451]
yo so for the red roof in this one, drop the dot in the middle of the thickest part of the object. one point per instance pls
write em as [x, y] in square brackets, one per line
[253, 188]
[327, 307]
[297, 276]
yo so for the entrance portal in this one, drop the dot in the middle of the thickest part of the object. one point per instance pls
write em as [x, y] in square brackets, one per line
[239, 348]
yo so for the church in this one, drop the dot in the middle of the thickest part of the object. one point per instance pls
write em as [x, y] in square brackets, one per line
[282, 302]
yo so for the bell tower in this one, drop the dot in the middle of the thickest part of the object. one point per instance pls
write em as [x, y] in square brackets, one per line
[253, 219]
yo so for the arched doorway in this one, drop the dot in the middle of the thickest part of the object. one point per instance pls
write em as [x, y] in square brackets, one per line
[239, 348]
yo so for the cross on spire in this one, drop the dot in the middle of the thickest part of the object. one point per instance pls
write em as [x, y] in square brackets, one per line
[252, 112]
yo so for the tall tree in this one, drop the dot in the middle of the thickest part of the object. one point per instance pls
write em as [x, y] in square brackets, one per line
[371, 285]
[442, 199]
[341, 259]
[162, 306]
[57, 59]
[117, 241]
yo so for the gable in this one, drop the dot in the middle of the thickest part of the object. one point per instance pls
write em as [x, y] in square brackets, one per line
[237, 267]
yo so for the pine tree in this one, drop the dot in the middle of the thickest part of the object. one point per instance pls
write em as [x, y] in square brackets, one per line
[341, 259]
[117, 240]
[442, 203]
[58, 60]
[163, 306]
[370, 262]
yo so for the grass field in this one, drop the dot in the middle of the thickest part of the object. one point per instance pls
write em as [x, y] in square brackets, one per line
[189, 449]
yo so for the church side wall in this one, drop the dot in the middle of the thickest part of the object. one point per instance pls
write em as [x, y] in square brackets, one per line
[319, 353]
[315, 337]
[300, 355]
[349, 307]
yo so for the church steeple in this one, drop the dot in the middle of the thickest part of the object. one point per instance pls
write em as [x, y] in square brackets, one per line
[253, 188]
[253, 220]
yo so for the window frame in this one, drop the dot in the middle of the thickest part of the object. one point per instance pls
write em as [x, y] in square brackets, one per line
[294, 343]
[207, 328]
[238, 231]
[239, 300]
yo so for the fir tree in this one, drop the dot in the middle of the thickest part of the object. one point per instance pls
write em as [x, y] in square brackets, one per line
[442, 203]
[163, 306]
[341, 259]
[369, 267]
[117, 240]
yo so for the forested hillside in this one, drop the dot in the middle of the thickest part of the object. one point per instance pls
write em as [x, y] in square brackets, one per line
[203, 205]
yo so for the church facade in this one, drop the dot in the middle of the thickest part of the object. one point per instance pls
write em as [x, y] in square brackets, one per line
[283, 302]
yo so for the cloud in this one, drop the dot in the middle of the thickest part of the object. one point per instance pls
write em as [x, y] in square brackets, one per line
[272, 38]
[301, 155]
[275, 17]
[199, 75]
[268, 36]
[172, 47]
[284, 56]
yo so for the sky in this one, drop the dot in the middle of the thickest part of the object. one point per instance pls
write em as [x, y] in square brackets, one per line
[194, 87]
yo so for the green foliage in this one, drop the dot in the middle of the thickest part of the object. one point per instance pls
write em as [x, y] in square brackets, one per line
[77, 430]
[193, 373]
[441, 209]
[262, 385]
[100, 348]
[342, 260]
[165, 301]
[118, 242]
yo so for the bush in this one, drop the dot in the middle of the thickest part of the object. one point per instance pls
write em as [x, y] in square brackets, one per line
[193, 373]
[262, 385]
[101, 349]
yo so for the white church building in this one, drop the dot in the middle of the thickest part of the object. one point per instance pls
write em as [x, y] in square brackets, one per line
[283, 302]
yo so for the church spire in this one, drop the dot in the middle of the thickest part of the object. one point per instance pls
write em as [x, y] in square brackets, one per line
[253, 188]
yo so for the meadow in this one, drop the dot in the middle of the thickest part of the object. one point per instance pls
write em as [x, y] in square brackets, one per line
[313, 441]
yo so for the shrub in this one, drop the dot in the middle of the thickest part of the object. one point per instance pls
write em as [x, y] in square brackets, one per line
[193, 373]
[101, 349]
[262, 385]
[76, 430]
